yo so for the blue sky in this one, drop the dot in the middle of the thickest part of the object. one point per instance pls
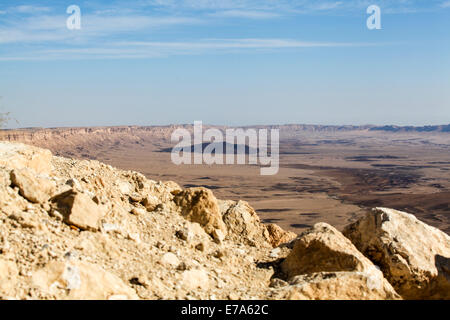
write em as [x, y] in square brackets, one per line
[149, 62]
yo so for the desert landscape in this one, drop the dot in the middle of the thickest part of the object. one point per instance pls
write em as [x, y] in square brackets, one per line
[332, 119]
[81, 229]
[327, 173]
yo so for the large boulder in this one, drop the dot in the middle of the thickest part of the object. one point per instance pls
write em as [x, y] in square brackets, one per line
[33, 188]
[324, 249]
[80, 281]
[19, 156]
[244, 225]
[323, 264]
[200, 205]
[79, 209]
[413, 256]
[338, 286]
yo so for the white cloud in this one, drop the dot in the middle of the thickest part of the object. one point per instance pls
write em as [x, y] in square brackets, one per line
[30, 9]
[327, 5]
[37, 27]
[132, 22]
[141, 50]
[276, 7]
[445, 4]
[53, 28]
[289, 7]
[247, 4]
[245, 14]
[236, 44]
[19, 36]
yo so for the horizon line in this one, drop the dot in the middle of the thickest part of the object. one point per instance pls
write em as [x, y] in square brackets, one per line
[231, 126]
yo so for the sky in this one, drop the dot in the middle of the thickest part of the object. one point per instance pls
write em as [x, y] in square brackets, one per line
[224, 62]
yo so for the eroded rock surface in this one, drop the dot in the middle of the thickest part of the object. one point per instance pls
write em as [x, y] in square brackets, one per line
[20, 156]
[80, 281]
[413, 256]
[200, 205]
[34, 188]
[243, 224]
[278, 236]
[79, 209]
[325, 263]
[324, 249]
[337, 286]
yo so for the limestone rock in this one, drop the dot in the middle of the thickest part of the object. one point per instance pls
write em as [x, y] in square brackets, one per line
[135, 197]
[243, 224]
[200, 205]
[195, 279]
[80, 281]
[33, 188]
[413, 256]
[275, 253]
[173, 187]
[196, 230]
[218, 236]
[169, 259]
[150, 202]
[138, 211]
[338, 286]
[124, 187]
[278, 236]
[184, 234]
[224, 205]
[162, 191]
[324, 249]
[19, 156]
[79, 210]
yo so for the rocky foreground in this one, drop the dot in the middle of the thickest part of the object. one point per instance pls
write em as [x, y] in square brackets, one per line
[83, 230]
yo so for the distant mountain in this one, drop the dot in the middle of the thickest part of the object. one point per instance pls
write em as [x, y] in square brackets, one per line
[54, 137]
[442, 128]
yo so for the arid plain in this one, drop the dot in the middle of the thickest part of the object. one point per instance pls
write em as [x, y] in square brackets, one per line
[327, 173]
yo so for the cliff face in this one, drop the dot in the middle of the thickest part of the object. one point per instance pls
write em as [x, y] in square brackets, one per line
[40, 135]
[84, 230]
[54, 138]
[74, 142]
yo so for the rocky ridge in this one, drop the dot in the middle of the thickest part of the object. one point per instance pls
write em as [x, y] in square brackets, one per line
[77, 229]
[53, 138]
